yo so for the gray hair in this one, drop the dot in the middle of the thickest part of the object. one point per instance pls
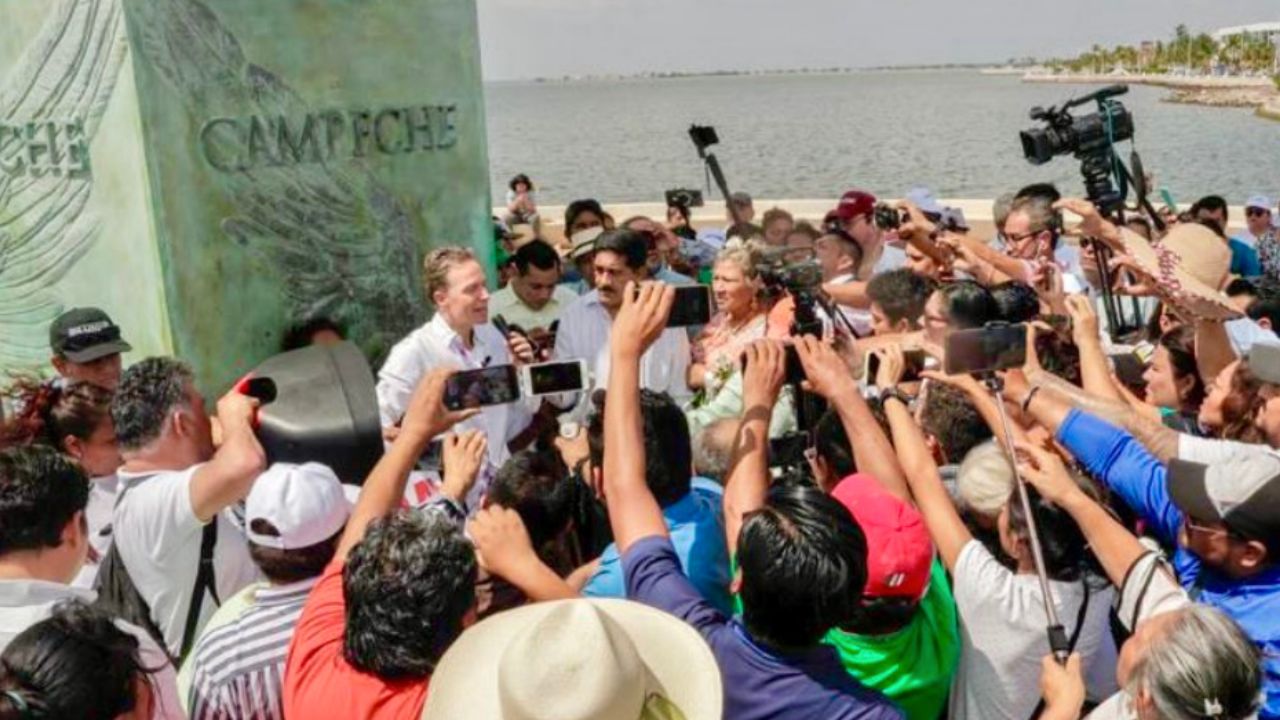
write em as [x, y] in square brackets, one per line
[713, 448]
[1203, 667]
[745, 254]
[984, 480]
[148, 392]
[1039, 210]
[1000, 210]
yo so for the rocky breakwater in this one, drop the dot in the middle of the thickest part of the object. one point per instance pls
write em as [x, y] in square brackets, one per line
[1255, 97]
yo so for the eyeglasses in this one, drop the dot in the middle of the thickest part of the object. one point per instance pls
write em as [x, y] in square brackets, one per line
[1193, 526]
[1018, 239]
[1256, 212]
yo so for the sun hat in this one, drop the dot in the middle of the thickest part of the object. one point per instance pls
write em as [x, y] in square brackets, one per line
[580, 659]
[306, 504]
[1189, 266]
[583, 242]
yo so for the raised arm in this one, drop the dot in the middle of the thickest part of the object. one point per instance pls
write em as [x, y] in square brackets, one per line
[1213, 349]
[426, 418]
[226, 478]
[633, 511]
[503, 548]
[829, 377]
[747, 482]
[1095, 370]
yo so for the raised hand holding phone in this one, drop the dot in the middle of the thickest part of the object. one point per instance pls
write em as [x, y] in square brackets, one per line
[641, 319]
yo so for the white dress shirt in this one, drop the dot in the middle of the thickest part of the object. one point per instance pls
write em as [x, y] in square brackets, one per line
[436, 345]
[506, 303]
[859, 318]
[584, 332]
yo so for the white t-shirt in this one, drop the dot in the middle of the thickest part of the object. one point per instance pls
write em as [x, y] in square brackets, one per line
[24, 603]
[158, 535]
[98, 512]
[1003, 638]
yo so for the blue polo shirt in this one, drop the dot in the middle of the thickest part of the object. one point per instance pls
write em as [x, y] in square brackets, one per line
[696, 525]
[759, 683]
[1119, 460]
[1244, 259]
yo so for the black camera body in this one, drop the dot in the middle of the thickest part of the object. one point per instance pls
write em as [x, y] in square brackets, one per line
[1089, 138]
[703, 136]
[685, 197]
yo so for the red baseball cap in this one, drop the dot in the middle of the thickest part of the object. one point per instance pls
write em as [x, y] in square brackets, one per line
[899, 551]
[855, 203]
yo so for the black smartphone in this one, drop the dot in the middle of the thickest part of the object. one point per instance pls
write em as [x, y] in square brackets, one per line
[998, 346]
[692, 306]
[551, 378]
[495, 385]
[912, 361]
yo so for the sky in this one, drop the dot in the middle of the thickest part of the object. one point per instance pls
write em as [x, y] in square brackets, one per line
[523, 39]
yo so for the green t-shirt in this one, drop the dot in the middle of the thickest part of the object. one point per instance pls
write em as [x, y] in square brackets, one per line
[912, 667]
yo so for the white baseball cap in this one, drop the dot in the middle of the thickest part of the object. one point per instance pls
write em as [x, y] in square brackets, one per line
[1260, 201]
[306, 503]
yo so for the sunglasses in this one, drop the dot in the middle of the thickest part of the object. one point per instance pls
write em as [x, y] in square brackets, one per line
[1256, 212]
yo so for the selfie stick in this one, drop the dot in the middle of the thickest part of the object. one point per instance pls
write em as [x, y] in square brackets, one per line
[1058, 641]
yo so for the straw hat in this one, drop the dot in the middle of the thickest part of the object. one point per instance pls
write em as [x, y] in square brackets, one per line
[577, 660]
[1189, 266]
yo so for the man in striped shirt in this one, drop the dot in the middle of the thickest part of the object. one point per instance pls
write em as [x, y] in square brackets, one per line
[295, 515]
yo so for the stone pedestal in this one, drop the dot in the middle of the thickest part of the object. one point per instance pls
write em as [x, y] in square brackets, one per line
[209, 171]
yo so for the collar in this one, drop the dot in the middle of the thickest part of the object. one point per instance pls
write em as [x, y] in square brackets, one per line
[25, 593]
[818, 658]
[288, 594]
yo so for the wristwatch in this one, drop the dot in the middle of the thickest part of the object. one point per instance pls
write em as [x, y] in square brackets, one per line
[894, 392]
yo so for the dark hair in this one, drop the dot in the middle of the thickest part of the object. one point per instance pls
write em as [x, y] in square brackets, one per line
[1213, 203]
[1266, 305]
[668, 452]
[1067, 557]
[804, 227]
[1042, 191]
[953, 421]
[833, 446]
[408, 585]
[290, 566]
[49, 413]
[901, 294]
[148, 392]
[1017, 301]
[969, 305]
[75, 664]
[1241, 406]
[536, 484]
[881, 615]
[804, 565]
[1180, 343]
[521, 178]
[680, 208]
[537, 253]
[299, 335]
[630, 244]
[41, 490]
[775, 214]
[1059, 356]
[578, 207]
[1213, 225]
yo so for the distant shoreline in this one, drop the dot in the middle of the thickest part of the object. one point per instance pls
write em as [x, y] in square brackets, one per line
[976, 67]
[1259, 93]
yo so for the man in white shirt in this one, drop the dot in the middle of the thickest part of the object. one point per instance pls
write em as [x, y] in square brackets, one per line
[585, 325]
[458, 336]
[173, 483]
[840, 256]
[43, 544]
[534, 298]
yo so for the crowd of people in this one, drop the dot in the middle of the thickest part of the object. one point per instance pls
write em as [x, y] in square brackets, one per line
[790, 512]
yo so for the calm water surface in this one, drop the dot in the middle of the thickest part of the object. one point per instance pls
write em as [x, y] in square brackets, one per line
[816, 135]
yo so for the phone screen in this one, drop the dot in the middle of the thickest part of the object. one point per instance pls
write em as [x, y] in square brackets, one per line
[692, 306]
[555, 377]
[988, 349]
[495, 385]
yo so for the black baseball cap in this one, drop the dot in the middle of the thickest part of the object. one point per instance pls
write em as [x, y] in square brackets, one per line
[1242, 492]
[85, 334]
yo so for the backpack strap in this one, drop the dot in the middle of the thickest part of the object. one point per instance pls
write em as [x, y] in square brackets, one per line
[204, 582]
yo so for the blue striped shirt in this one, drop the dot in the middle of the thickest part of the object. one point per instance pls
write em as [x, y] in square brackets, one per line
[239, 667]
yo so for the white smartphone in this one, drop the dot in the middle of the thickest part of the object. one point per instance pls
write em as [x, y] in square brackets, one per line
[550, 378]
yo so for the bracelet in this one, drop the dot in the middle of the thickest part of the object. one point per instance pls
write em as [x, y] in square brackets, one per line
[894, 393]
[1026, 401]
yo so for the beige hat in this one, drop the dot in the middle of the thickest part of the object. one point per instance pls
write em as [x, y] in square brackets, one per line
[1190, 265]
[577, 660]
[584, 241]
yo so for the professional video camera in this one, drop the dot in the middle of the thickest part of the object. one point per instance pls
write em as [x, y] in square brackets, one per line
[1090, 138]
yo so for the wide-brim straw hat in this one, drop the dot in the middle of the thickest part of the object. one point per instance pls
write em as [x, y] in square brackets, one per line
[581, 659]
[1189, 265]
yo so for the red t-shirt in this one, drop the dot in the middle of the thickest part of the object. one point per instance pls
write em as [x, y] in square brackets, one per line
[318, 681]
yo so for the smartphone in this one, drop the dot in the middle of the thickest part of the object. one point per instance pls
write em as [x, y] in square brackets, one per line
[913, 363]
[495, 385]
[692, 306]
[550, 378]
[998, 346]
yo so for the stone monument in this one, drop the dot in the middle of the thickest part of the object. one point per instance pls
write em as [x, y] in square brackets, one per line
[210, 171]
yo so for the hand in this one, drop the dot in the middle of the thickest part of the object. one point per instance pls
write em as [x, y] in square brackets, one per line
[1084, 320]
[1046, 280]
[427, 416]
[236, 411]
[965, 383]
[573, 450]
[543, 343]
[892, 366]
[641, 319]
[1046, 471]
[502, 544]
[463, 456]
[764, 373]
[1016, 386]
[827, 374]
[521, 349]
[1143, 284]
[919, 226]
[1062, 687]
[1092, 224]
